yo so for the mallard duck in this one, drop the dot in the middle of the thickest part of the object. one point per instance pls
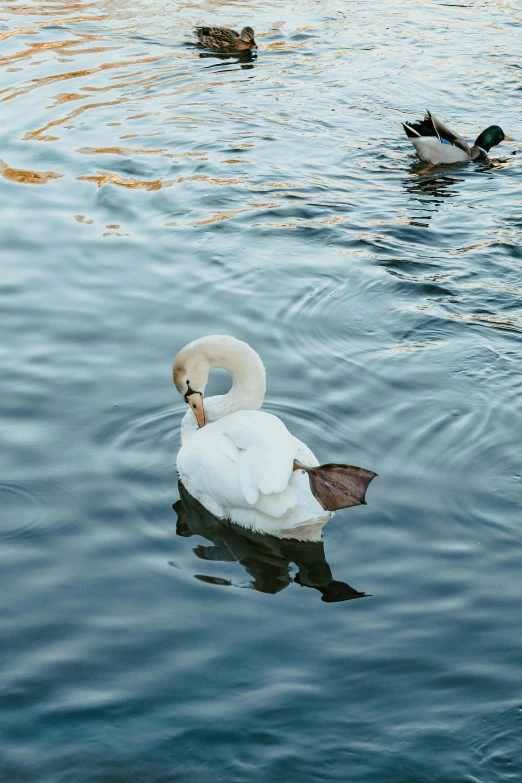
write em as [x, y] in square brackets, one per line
[242, 464]
[435, 143]
[225, 39]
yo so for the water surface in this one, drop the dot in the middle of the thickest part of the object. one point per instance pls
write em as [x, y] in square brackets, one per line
[152, 193]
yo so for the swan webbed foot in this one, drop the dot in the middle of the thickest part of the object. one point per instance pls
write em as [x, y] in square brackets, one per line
[338, 486]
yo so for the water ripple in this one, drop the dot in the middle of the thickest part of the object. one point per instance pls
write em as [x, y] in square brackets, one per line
[24, 512]
[277, 199]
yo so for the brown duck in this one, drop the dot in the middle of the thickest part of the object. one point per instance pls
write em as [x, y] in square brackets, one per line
[225, 39]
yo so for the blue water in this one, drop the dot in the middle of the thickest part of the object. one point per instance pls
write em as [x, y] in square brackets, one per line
[151, 195]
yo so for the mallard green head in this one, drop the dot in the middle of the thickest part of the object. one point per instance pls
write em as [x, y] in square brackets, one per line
[247, 35]
[490, 137]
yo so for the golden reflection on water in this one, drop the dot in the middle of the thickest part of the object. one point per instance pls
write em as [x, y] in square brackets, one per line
[27, 177]
[138, 135]
[106, 176]
[212, 180]
[277, 46]
[39, 133]
[127, 151]
[47, 10]
[36, 83]
[27, 29]
[219, 217]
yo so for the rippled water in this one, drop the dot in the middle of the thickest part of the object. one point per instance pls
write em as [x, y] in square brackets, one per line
[152, 193]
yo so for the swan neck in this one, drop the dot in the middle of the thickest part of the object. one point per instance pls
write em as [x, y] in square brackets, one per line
[248, 383]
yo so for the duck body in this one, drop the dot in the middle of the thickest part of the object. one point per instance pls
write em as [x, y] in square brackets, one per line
[435, 143]
[242, 464]
[225, 39]
[431, 150]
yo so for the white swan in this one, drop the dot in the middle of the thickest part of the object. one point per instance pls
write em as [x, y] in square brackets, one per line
[241, 463]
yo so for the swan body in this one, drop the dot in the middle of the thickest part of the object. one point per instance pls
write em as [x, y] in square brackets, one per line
[435, 143]
[241, 463]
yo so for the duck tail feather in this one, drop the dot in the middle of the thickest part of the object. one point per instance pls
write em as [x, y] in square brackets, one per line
[411, 133]
[423, 127]
[430, 119]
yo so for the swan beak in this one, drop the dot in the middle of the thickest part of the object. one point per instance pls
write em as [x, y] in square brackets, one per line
[508, 138]
[195, 401]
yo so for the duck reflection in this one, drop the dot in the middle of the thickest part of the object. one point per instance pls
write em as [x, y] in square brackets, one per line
[265, 558]
[429, 187]
[245, 58]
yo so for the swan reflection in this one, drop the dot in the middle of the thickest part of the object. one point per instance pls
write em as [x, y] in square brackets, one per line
[265, 558]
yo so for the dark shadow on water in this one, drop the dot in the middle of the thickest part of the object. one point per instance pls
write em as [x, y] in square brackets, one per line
[438, 183]
[245, 59]
[265, 558]
[428, 188]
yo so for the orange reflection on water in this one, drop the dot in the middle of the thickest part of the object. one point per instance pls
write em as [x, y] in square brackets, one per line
[37, 134]
[59, 47]
[104, 177]
[288, 185]
[141, 135]
[27, 30]
[65, 97]
[42, 10]
[107, 176]
[219, 217]
[212, 180]
[283, 45]
[36, 48]
[117, 151]
[27, 177]
[36, 83]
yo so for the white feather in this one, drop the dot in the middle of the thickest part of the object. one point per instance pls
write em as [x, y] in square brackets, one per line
[431, 150]
[244, 465]
[240, 465]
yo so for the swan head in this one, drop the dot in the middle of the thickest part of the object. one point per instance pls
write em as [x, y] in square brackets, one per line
[190, 373]
[194, 362]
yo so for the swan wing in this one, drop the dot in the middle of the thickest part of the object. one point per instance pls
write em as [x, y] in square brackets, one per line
[244, 460]
[305, 455]
[266, 452]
